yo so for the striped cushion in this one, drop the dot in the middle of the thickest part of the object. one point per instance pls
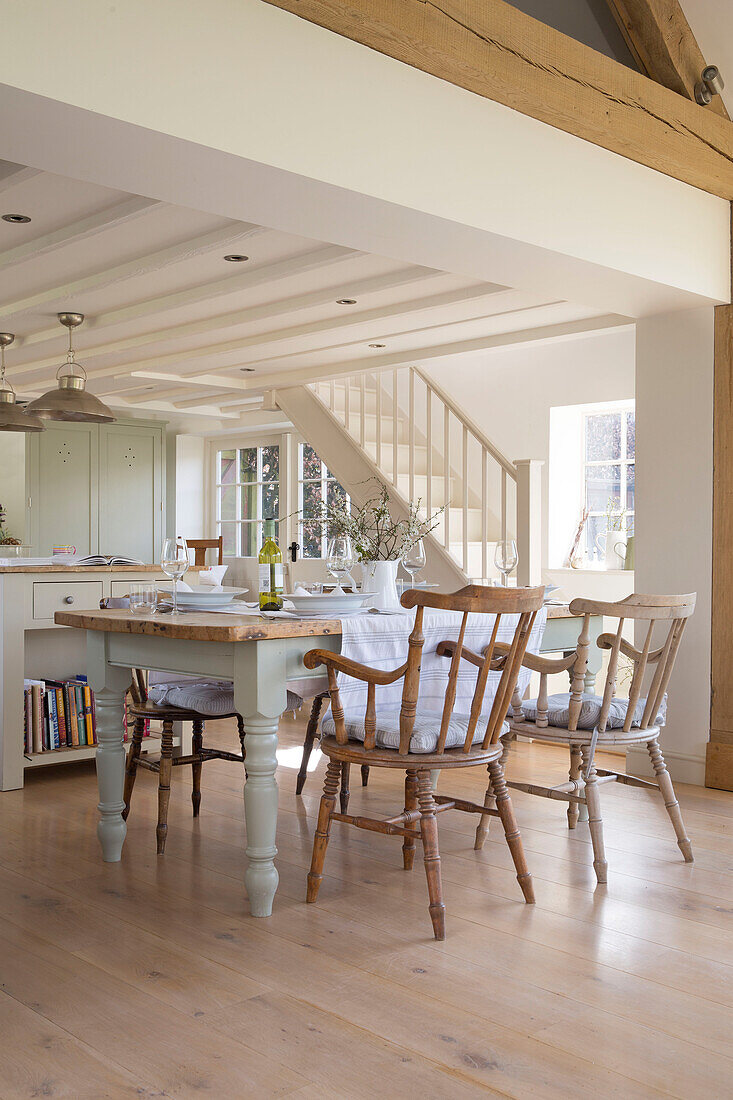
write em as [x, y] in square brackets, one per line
[209, 697]
[424, 735]
[558, 711]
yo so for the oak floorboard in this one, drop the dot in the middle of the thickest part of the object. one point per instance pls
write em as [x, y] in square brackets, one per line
[150, 975]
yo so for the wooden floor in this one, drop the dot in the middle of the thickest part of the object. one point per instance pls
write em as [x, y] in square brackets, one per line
[148, 978]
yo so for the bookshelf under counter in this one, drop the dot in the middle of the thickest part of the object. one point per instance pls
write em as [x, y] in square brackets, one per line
[33, 647]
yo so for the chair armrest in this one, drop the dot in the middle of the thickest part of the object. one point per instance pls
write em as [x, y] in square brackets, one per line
[447, 649]
[536, 663]
[315, 657]
[606, 641]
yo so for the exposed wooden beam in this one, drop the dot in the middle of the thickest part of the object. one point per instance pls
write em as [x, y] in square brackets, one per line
[663, 44]
[719, 760]
[110, 218]
[498, 52]
[279, 307]
[66, 292]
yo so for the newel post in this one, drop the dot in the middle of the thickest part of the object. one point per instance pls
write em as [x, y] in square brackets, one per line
[529, 520]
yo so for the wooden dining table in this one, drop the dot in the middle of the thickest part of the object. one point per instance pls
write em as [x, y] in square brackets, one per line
[260, 656]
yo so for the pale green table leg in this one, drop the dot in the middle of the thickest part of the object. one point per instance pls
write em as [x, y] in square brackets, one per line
[109, 685]
[260, 697]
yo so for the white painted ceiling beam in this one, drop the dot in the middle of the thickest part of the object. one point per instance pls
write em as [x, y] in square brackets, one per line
[316, 259]
[316, 328]
[278, 308]
[11, 175]
[420, 355]
[110, 218]
[141, 265]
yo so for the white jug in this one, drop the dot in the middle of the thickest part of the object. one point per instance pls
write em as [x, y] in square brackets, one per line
[614, 548]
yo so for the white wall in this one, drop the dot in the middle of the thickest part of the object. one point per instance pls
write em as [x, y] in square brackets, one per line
[674, 478]
[508, 392]
[12, 481]
[190, 473]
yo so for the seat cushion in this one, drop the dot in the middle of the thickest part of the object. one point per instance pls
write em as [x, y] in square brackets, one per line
[558, 711]
[209, 697]
[424, 735]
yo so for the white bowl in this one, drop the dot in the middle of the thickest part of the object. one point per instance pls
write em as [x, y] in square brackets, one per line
[204, 598]
[333, 603]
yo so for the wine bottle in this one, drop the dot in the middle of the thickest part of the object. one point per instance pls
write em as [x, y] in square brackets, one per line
[271, 571]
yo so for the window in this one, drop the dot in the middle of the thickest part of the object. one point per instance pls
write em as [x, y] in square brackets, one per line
[316, 485]
[247, 492]
[609, 441]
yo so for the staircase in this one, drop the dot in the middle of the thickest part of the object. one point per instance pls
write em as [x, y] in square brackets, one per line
[401, 427]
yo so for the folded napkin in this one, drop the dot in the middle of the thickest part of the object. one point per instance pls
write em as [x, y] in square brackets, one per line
[214, 575]
[300, 591]
[182, 586]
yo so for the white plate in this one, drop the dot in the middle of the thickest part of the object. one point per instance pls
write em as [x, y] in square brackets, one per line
[332, 603]
[200, 599]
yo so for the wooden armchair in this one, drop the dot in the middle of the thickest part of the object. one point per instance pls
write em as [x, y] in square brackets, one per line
[420, 741]
[583, 721]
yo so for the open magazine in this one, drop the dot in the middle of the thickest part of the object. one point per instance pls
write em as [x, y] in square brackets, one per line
[103, 559]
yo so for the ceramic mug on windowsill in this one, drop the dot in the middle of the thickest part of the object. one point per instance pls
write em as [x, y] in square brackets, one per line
[613, 548]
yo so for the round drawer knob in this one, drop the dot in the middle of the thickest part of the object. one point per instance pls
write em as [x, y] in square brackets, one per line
[68, 599]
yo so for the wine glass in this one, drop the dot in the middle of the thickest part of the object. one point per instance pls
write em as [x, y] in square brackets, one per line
[174, 563]
[505, 558]
[414, 560]
[340, 560]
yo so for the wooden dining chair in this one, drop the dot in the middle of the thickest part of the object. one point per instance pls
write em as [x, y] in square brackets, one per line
[583, 721]
[142, 711]
[200, 546]
[311, 735]
[419, 741]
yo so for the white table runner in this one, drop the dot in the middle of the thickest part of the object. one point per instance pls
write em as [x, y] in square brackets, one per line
[382, 642]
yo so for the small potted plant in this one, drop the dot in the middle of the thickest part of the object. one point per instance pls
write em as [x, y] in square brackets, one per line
[8, 542]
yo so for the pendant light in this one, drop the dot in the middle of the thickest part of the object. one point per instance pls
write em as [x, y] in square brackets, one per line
[70, 400]
[12, 417]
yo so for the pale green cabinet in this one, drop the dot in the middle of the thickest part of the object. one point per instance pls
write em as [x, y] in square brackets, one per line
[98, 487]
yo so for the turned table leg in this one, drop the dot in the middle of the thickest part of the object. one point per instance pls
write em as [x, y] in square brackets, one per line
[109, 684]
[260, 697]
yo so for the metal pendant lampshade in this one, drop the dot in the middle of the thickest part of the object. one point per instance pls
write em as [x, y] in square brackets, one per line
[12, 417]
[70, 400]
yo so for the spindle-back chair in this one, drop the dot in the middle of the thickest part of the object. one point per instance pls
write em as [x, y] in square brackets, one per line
[452, 740]
[607, 720]
[142, 711]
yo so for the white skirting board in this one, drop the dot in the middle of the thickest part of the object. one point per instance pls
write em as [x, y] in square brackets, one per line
[683, 767]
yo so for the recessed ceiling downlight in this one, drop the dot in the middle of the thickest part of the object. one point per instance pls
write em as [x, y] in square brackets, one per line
[346, 301]
[377, 345]
[16, 219]
[247, 370]
[235, 258]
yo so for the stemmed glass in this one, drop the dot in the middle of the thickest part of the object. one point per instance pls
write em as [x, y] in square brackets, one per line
[414, 560]
[340, 560]
[505, 558]
[174, 563]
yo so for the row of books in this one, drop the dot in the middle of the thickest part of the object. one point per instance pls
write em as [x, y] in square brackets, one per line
[59, 714]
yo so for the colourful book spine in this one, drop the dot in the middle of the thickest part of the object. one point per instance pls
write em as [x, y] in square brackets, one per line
[53, 721]
[28, 718]
[61, 717]
[37, 702]
[78, 688]
[88, 714]
[71, 713]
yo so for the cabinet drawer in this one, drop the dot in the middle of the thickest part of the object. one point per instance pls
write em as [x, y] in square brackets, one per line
[52, 596]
